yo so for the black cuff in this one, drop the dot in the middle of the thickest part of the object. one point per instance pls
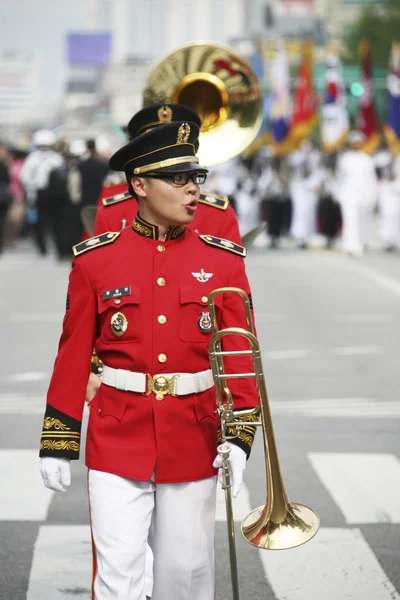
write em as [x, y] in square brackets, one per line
[243, 436]
[61, 435]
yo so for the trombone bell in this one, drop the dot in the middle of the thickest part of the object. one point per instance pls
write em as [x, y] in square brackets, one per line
[300, 524]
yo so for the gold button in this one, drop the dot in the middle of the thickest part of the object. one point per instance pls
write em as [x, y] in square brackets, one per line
[161, 248]
[110, 235]
[117, 301]
[204, 299]
[162, 319]
[162, 358]
[159, 396]
[161, 281]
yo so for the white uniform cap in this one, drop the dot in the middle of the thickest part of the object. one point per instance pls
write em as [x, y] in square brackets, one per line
[77, 147]
[44, 137]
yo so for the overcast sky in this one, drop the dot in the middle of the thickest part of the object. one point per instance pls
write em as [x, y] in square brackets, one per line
[40, 27]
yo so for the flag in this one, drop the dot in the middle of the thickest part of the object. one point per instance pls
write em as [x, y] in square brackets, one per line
[305, 101]
[392, 126]
[279, 114]
[335, 119]
[367, 121]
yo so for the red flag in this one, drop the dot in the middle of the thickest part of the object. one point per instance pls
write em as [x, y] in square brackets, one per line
[305, 99]
[367, 121]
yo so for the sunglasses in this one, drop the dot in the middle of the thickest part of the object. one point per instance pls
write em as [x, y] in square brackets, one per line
[198, 178]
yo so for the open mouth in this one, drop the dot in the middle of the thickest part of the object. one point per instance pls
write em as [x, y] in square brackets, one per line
[192, 205]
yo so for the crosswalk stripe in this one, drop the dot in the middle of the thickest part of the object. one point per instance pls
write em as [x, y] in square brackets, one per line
[16, 404]
[13, 403]
[364, 486]
[62, 563]
[24, 497]
[336, 564]
[337, 407]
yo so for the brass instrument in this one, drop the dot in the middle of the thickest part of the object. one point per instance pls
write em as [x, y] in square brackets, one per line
[279, 524]
[220, 86]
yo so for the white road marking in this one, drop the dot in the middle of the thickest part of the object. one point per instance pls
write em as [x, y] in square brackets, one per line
[366, 318]
[241, 504]
[270, 317]
[285, 354]
[337, 407]
[358, 350]
[62, 563]
[22, 404]
[364, 486]
[23, 497]
[388, 283]
[336, 564]
[35, 317]
[28, 376]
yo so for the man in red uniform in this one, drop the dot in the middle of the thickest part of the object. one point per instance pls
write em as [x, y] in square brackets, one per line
[153, 427]
[117, 208]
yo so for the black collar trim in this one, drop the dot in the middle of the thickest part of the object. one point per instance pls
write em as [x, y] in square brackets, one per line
[150, 231]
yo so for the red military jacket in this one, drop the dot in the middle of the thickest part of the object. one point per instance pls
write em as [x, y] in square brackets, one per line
[163, 299]
[214, 214]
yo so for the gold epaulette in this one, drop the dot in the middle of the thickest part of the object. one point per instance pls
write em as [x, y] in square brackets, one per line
[224, 244]
[220, 202]
[95, 242]
[118, 198]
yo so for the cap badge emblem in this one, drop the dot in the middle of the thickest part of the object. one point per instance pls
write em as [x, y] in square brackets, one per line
[183, 134]
[119, 324]
[164, 114]
[204, 322]
[202, 276]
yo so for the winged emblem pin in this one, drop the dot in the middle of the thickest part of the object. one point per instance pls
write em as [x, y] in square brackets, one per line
[202, 276]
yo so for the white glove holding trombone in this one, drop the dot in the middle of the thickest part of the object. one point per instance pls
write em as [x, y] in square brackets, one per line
[237, 464]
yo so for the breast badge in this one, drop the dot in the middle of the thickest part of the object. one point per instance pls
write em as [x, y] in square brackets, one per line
[119, 324]
[204, 322]
[202, 276]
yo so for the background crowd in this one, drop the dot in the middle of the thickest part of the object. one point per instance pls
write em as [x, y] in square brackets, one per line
[303, 197]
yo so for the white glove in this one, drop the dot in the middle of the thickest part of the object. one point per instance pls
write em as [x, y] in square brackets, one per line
[56, 473]
[237, 464]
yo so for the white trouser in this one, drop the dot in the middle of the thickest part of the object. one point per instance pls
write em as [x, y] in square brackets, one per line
[178, 521]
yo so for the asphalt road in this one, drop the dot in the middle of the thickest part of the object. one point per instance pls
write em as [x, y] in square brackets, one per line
[329, 330]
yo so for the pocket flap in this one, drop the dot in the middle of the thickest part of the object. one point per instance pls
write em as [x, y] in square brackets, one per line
[198, 295]
[111, 403]
[132, 298]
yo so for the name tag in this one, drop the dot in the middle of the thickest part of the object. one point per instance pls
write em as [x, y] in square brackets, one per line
[117, 293]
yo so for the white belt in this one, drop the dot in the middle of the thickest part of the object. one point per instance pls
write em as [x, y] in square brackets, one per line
[176, 384]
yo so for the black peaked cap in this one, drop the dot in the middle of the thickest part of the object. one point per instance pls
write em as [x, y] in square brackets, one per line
[160, 114]
[166, 148]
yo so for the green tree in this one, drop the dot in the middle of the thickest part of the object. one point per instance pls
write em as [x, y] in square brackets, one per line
[380, 25]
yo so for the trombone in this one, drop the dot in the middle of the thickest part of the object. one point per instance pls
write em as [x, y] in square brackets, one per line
[279, 524]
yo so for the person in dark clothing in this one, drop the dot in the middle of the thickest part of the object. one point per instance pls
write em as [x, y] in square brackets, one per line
[93, 173]
[5, 196]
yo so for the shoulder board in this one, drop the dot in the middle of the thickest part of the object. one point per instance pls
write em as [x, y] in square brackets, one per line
[220, 202]
[117, 198]
[95, 242]
[224, 244]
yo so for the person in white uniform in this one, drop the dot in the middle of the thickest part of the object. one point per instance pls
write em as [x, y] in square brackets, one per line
[388, 199]
[305, 187]
[357, 192]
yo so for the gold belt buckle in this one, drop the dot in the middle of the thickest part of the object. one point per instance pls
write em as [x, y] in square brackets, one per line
[161, 385]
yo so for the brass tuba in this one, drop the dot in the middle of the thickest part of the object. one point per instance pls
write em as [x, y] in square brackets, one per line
[223, 90]
[279, 524]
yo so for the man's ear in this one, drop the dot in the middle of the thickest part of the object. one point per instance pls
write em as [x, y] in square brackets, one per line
[138, 185]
